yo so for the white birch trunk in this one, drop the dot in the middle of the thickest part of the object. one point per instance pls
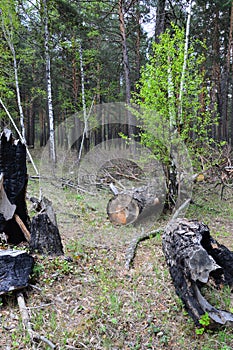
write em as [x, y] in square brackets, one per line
[83, 88]
[8, 36]
[180, 112]
[171, 100]
[52, 147]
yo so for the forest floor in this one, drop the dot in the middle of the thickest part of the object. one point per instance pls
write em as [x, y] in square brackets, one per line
[92, 302]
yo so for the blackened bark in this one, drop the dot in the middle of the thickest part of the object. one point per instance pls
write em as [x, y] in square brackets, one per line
[15, 269]
[194, 258]
[45, 237]
[14, 170]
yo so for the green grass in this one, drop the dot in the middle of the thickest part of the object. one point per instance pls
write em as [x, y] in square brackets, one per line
[91, 302]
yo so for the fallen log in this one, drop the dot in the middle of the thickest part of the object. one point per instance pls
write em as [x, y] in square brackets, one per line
[129, 206]
[194, 258]
[15, 269]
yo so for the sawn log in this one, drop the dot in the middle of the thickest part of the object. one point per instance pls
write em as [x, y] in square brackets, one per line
[127, 207]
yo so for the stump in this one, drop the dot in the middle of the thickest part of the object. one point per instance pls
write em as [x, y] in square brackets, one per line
[15, 269]
[194, 258]
[45, 237]
[130, 206]
[14, 178]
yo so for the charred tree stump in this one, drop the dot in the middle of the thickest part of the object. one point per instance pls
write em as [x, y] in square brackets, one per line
[194, 258]
[127, 207]
[14, 178]
[15, 269]
[45, 236]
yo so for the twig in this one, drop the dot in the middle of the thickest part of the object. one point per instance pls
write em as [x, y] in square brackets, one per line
[27, 324]
[131, 251]
[113, 189]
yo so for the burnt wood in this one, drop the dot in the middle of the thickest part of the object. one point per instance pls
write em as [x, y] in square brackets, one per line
[15, 269]
[15, 178]
[45, 236]
[194, 258]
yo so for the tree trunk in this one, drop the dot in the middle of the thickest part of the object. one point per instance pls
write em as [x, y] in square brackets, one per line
[160, 19]
[14, 171]
[45, 236]
[130, 206]
[182, 80]
[124, 51]
[217, 70]
[226, 79]
[8, 37]
[15, 269]
[49, 86]
[194, 258]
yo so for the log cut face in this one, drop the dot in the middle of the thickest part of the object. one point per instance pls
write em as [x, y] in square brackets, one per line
[15, 269]
[131, 206]
[14, 171]
[193, 257]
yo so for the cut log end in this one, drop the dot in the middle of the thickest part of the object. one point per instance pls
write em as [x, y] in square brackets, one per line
[123, 209]
[132, 206]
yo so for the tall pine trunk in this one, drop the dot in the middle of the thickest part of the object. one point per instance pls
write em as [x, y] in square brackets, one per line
[160, 19]
[124, 51]
[126, 65]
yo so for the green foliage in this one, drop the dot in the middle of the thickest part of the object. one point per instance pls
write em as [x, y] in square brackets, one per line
[205, 322]
[165, 109]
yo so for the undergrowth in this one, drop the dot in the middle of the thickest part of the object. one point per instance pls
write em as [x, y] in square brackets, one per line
[86, 300]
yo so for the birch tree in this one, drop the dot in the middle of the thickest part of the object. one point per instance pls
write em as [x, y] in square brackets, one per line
[159, 94]
[182, 80]
[9, 27]
[52, 147]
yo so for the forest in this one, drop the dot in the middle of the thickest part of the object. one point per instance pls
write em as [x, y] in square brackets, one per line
[116, 174]
[61, 57]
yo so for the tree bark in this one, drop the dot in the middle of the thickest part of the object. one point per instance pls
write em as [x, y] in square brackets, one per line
[49, 86]
[194, 258]
[45, 236]
[8, 36]
[124, 51]
[14, 171]
[160, 19]
[15, 269]
[182, 80]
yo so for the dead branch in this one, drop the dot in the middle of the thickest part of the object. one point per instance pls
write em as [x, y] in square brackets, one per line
[24, 229]
[34, 336]
[131, 250]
